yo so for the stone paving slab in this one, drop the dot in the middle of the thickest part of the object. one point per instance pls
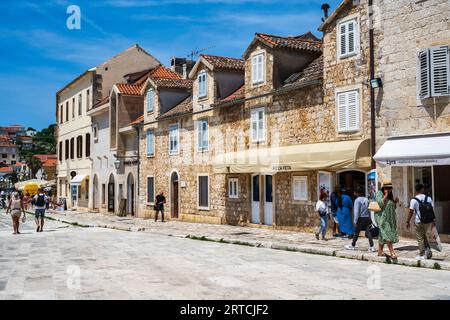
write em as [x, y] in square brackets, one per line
[305, 242]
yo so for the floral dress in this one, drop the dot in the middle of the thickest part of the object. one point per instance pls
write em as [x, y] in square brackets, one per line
[386, 220]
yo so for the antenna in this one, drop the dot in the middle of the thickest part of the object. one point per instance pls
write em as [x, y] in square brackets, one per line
[196, 52]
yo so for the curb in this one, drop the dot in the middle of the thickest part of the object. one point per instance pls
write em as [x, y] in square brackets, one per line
[332, 252]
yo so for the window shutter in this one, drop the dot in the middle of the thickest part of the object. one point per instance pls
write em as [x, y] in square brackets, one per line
[342, 112]
[150, 100]
[300, 191]
[254, 125]
[254, 68]
[260, 67]
[424, 75]
[343, 39]
[260, 125]
[150, 189]
[150, 143]
[351, 36]
[440, 73]
[353, 110]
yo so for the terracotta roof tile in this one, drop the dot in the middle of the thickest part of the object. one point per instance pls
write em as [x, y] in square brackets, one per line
[313, 71]
[129, 89]
[138, 120]
[224, 63]
[305, 41]
[50, 163]
[158, 72]
[105, 100]
[238, 94]
[173, 83]
[182, 108]
[6, 169]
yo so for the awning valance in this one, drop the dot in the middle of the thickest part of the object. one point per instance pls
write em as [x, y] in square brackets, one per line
[330, 156]
[424, 150]
[78, 179]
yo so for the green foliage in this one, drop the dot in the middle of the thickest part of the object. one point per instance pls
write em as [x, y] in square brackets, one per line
[43, 143]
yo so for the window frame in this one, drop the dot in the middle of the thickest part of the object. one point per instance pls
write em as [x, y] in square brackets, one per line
[236, 195]
[177, 151]
[300, 178]
[203, 208]
[347, 21]
[258, 139]
[258, 81]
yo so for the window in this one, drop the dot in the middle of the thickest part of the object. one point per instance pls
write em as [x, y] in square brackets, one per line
[348, 111]
[202, 134]
[73, 108]
[258, 125]
[150, 100]
[87, 190]
[61, 114]
[233, 189]
[67, 111]
[202, 80]
[173, 139]
[203, 192]
[88, 100]
[88, 145]
[72, 147]
[150, 190]
[4, 155]
[258, 70]
[79, 147]
[348, 38]
[300, 188]
[80, 104]
[434, 72]
[67, 149]
[60, 151]
[150, 143]
[95, 131]
[103, 193]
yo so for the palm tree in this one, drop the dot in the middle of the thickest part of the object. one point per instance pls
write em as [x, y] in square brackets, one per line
[34, 165]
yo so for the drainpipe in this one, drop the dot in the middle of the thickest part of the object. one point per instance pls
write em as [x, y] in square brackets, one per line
[138, 130]
[372, 90]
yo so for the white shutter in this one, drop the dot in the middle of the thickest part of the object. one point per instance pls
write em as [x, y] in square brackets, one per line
[254, 68]
[353, 111]
[261, 125]
[440, 73]
[343, 39]
[351, 26]
[342, 112]
[260, 67]
[300, 188]
[423, 77]
[150, 143]
[254, 121]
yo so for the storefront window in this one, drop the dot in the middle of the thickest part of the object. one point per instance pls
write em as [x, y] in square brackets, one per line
[424, 175]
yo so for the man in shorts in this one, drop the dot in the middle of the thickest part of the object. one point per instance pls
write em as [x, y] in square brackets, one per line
[40, 201]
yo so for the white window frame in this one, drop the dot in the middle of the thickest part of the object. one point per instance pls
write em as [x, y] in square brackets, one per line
[356, 44]
[200, 146]
[202, 84]
[236, 189]
[258, 67]
[152, 104]
[177, 137]
[146, 140]
[146, 190]
[207, 208]
[300, 179]
[347, 128]
[258, 138]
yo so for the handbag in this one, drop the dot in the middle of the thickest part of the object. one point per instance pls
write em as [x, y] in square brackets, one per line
[374, 206]
[24, 218]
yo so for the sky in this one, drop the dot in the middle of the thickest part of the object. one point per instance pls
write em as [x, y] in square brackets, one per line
[39, 54]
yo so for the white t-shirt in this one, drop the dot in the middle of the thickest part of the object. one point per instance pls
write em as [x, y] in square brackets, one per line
[414, 205]
[321, 206]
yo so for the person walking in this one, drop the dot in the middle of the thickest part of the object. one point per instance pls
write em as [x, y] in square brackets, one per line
[386, 219]
[159, 206]
[422, 207]
[322, 210]
[344, 215]
[26, 200]
[361, 220]
[15, 207]
[40, 202]
[333, 211]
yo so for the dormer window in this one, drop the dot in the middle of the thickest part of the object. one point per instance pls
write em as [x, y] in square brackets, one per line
[348, 38]
[258, 70]
[202, 84]
[150, 100]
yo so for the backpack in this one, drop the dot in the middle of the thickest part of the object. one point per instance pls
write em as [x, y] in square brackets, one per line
[426, 211]
[40, 202]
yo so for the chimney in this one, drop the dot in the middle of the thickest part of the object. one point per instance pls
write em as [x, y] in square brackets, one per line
[325, 8]
[185, 75]
[182, 66]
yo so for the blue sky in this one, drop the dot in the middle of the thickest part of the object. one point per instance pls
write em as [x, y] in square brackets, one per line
[39, 55]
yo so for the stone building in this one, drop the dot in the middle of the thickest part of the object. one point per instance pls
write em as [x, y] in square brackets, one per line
[413, 110]
[74, 125]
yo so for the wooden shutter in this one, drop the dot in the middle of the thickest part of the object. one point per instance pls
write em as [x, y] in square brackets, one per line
[342, 112]
[88, 145]
[423, 78]
[260, 75]
[352, 111]
[254, 69]
[343, 39]
[150, 100]
[352, 36]
[150, 143]
[440, 74]
[254, 125]
[261, 128]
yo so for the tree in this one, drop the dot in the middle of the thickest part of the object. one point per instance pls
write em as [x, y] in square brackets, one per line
[13, 177]
[44, 142]
[34, 165]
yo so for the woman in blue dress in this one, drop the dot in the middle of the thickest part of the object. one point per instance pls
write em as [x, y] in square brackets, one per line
[345, 205]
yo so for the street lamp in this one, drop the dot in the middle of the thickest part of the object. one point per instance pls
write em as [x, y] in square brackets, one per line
[117, 164]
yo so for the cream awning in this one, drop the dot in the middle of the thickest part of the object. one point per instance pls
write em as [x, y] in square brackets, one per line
[78, 179]
[330, 156]
[424, 150]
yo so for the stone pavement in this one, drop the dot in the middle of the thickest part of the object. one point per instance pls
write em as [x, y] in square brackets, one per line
[407, 249]
[68, 262]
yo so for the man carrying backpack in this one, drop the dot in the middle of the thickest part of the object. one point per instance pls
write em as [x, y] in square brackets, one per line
[40, 201]
[423, 208]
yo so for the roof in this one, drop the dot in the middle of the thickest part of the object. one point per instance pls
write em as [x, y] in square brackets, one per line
[129, 89]
[18, 164]
[183, 107]
[102, 102]
[236, 95]
[304, 42]
[138, 121]
[6, 169]
[158, 72]
[45, 157]
[224, 63]
[50, 163]
[313, 71]
[333, 16]
[173, 83]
